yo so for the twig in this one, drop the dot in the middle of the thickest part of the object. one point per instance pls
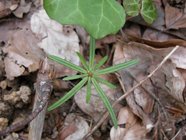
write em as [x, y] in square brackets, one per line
[176, 134]
[130, 91]
[46, 73]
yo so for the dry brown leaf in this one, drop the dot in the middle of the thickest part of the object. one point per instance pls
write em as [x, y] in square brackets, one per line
[6, 7]
[168, 78]
[174, 17]
[95, 108]
[154, 35]
[22, 9]
[21, 57]
[155, 39]
[133, 130]
[55, 39]
[74, 128]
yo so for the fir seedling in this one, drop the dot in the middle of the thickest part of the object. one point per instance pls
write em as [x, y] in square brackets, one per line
[90, 75]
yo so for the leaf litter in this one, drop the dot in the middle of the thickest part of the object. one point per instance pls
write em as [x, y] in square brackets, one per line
[25, 43]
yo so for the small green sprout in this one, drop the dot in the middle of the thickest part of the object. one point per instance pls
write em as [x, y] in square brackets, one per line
[90, 75]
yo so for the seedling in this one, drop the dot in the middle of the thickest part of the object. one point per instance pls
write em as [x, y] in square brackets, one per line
[99, 18]
[90, 74]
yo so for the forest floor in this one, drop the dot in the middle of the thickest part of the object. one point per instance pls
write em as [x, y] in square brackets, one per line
[153, 92]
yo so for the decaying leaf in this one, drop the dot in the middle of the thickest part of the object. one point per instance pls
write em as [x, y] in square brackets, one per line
[130, 128]
[168, 78]
[6, 7]
[95, 108]
[74, 128]
[54, 39]
[23, 8]
[174, 17]
[22, 55]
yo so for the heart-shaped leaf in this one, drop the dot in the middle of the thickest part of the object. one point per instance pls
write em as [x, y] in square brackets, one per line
[132, 7]
[148, 11]
[98, 17]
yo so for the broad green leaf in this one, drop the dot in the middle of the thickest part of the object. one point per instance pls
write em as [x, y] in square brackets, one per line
[148, 11]
[98, 17]
[83, 61]
[105, 82]
[66, 63]
[132, 7]
[116, 67]
[101, 62]
[88, 90]
[67, 96]
[74, 77]
[105, 101]
[92, 51]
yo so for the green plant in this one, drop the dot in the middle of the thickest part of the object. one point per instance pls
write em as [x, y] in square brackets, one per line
[90, 74]
[99, 18]
[145, 8]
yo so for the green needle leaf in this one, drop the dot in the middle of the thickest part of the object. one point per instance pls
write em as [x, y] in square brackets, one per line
[83, 61]
[105, 101]
[101, 62]
[66, 63]
[116, 67]
[92, 51]
[74, 77]
[88, 90]
[67, 96]
[148, 11]
[98, 17]
[105, 82]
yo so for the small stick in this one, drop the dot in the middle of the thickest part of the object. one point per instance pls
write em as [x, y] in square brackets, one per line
[130, 91]
[45, 74]
[176, 135]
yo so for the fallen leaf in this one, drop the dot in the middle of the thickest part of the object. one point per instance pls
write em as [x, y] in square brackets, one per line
[23, 8]
[74, 128]
[168, 78]
[22, 57]
[6, 7]
[54, 39]
[174, 17]
[95, 108]
[132, 129]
